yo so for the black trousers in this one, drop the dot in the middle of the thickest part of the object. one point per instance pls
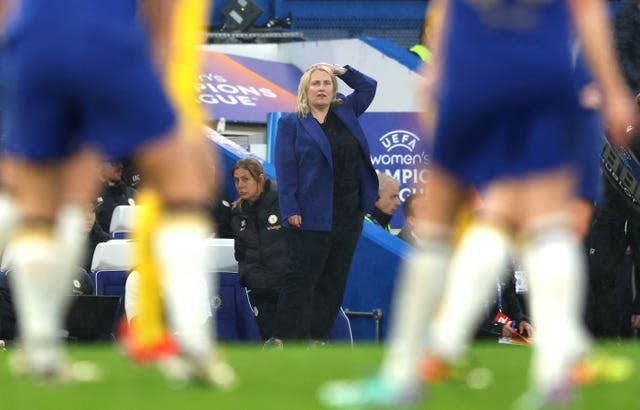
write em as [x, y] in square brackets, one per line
[7, 314]
[265, 303]
[608, 310]
[315, 283]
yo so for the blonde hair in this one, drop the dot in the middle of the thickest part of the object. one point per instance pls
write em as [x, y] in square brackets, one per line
[302, 103]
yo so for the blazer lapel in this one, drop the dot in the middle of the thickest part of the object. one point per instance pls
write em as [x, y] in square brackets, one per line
[313, 128]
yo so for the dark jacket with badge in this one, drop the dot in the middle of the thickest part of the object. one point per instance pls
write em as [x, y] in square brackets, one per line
[260, 243]
[112, 196]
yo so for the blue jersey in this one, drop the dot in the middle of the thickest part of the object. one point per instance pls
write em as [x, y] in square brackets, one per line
[506, 98]
[77, 11]
[79, 73]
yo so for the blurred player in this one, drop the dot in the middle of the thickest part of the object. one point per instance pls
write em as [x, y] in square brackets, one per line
[84, 81]
[504, 124]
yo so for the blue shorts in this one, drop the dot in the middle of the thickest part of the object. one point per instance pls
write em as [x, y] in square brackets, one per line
[495, 123]
[507, 101]
[481, 146]
[85, 85]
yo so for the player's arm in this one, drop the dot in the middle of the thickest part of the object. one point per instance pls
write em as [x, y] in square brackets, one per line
[3, 14]
[591, 22]
[157, 18]
[7, 8]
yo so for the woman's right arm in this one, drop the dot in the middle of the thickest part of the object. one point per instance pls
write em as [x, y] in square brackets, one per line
[364, 89]
[287, 167]
[591, 21]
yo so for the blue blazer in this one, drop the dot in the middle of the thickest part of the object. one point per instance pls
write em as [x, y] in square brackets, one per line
[304, 165]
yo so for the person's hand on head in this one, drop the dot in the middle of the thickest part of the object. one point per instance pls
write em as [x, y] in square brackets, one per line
[336, 69]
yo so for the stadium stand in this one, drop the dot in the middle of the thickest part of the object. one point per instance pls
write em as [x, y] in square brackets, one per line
[398, 20]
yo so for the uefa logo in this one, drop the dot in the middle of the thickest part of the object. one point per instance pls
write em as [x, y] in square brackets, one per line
[399, 139]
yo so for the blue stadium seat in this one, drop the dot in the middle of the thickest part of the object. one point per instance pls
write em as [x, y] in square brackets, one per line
[122, 221]
[341, 331]
[109, 266]
[110, 283]
[234, 316]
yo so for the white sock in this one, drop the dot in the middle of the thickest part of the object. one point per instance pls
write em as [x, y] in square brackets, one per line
[180, 250]
[481, 257]
[414, 301]
[39, 295]
[553, 260]
[44, 265]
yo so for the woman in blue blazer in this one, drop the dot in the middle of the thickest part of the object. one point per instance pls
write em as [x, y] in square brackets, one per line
[326, 184]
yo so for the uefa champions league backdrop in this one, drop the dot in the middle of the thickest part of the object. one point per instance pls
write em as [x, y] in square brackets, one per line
[244, 89]
[398, 147]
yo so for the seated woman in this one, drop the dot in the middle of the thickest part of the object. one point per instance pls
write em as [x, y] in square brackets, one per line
[504, 316]
[260, 244]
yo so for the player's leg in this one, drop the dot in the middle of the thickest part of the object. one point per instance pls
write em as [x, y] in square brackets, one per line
[415, 300]
[9, 211]
[78, 187]
[46, 249]
[423, 276]
[553, 256]
[38, 293]
[481, 257]
[184, 181]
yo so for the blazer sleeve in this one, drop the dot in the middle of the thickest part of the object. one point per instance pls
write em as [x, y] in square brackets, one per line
[364, 90]
[286, 167]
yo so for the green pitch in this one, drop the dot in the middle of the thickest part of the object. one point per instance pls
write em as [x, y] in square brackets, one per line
[283, 380]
